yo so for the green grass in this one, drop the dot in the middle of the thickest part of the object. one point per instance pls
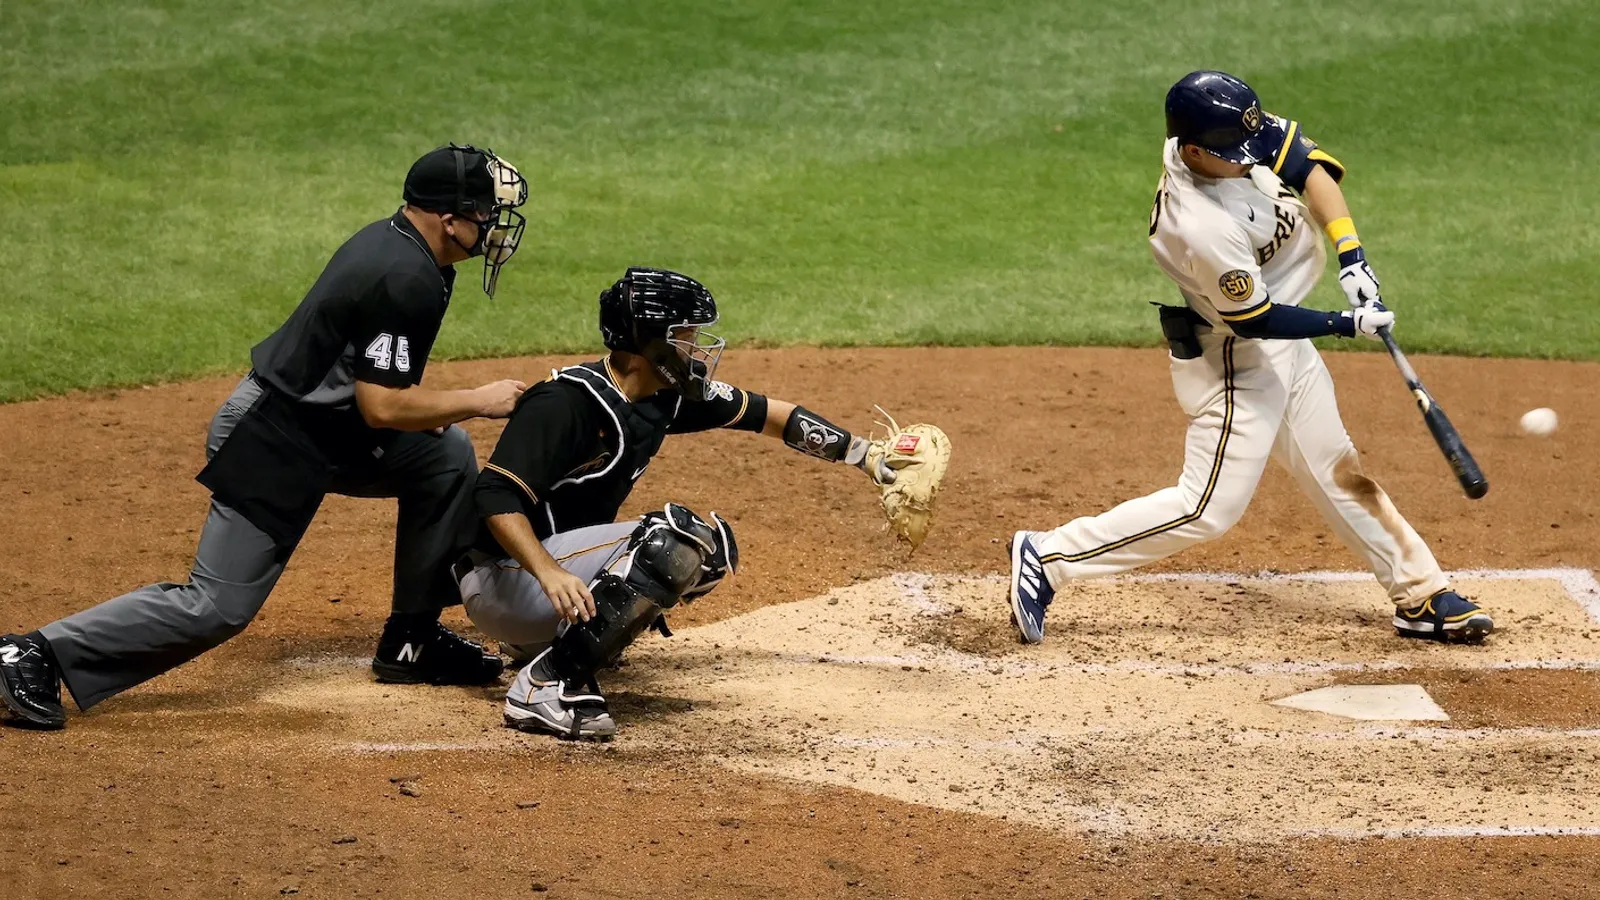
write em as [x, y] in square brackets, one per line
[173, 173]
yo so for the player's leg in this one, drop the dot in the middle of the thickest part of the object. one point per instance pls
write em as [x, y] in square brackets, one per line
[507, 603]
[664, 558]
[1234, 396]
[111, 647]
[432, 477]
[1317, 451]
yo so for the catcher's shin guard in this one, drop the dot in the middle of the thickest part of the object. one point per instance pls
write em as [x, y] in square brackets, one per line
[666, 561]
[621, 614]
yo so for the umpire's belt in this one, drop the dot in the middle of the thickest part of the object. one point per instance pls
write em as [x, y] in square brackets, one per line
[1180, 326]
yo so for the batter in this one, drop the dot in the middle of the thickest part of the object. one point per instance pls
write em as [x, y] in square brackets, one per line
[1229, 227]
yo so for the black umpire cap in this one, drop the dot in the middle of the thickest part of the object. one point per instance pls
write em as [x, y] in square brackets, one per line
[452, 179]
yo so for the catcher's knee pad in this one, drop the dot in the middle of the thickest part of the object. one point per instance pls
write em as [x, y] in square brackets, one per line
[665, 560]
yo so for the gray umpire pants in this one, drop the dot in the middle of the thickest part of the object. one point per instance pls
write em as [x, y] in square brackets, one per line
[506, 602]
[109, 648]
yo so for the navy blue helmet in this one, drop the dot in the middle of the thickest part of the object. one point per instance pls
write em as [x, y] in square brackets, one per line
[1221, 114]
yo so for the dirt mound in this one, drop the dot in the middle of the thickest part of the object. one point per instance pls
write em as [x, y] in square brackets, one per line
[244, 772]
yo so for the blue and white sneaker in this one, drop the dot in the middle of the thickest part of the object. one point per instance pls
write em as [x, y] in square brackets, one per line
[1446, 616]
[1030, 590]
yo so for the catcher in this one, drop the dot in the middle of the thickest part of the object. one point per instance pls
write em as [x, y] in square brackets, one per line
[562, 585]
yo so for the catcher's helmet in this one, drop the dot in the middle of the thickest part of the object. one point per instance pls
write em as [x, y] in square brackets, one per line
[661, 316]
[1218, 113]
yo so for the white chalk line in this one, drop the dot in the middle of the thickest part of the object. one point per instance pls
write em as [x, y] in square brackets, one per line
[370, 747]
[1449, 831]
[955, 660]
[326, 661]
[1044, 740]
[1422, 733]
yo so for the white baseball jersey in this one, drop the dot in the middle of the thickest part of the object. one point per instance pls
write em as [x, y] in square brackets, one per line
[1233, 245]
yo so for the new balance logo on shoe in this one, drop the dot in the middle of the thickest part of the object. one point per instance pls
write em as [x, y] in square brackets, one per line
[11, 654]
[409, 653]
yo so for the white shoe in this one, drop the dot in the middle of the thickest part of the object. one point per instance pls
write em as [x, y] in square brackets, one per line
[540, 703]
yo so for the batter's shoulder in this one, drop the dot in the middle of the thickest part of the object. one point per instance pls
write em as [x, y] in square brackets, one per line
[1205, 225]
[1295, 154]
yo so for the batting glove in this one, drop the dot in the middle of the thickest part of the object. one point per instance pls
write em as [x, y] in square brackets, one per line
[1366, 320]
[1357, 279]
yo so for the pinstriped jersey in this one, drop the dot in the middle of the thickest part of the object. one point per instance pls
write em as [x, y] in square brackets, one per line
[1233, 245]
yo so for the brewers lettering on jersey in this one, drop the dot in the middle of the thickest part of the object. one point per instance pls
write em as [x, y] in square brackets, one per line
[333, 403]
[1232, 226]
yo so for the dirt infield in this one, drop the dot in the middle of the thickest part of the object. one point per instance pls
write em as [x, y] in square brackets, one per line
[841, 720]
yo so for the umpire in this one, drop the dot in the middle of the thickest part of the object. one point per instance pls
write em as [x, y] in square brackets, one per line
[332, 404]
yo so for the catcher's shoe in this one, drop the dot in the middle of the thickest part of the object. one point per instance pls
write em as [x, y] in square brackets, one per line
[540, 703]
[432, 654]
[1446, 616]
[1030, 589]
[30, 685]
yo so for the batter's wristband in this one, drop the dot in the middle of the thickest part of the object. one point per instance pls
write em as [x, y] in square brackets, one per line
[813, 435]
[1342, 231]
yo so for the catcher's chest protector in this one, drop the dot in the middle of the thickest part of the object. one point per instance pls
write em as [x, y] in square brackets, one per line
[595, 492]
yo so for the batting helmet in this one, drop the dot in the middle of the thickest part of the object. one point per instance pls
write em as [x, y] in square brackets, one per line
[1220, 114]
[661, 316]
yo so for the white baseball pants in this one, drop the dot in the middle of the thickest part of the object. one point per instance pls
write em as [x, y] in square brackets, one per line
[1248, 400]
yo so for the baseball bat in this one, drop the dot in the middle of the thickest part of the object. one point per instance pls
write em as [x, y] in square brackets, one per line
[1444, 434]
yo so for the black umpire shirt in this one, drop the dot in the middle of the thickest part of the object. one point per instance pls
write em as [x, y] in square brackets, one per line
[372, 316]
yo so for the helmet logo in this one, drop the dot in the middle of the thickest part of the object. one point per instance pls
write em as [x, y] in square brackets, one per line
[1252, 118]
[1237, 285]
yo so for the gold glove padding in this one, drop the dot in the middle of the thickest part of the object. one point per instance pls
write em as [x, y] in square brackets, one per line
[917, 456]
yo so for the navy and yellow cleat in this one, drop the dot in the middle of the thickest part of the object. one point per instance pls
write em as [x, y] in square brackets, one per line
[1030, 589]
[1446, 616]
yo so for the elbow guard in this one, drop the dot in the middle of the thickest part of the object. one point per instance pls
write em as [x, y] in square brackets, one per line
[813, 435]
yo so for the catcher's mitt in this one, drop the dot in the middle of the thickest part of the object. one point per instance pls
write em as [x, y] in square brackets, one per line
[917, 456]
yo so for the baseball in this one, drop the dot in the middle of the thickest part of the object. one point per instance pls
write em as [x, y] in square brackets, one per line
[1539, 422]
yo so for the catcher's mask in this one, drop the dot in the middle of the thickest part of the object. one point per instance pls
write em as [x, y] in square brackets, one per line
[662, 316]
[477, 185]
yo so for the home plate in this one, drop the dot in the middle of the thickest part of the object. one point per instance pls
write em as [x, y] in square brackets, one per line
[1370, 702]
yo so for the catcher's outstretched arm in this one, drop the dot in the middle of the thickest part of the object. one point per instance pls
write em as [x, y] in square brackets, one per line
[813, 435]
[778, 412]
[907, 465]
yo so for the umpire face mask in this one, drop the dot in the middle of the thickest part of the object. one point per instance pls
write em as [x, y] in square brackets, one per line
[497, 239]
[499, 232]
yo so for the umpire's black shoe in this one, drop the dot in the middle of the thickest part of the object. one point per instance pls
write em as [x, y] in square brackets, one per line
[30, 685]
[432, 654]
